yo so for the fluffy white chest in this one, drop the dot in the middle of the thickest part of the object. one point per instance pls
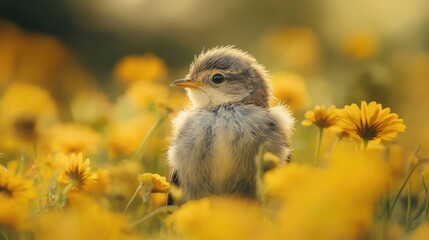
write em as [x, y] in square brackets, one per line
[223, 162]
[215, 137]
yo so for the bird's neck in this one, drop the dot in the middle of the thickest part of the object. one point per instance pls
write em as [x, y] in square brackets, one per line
[231, 105]
[261, 102]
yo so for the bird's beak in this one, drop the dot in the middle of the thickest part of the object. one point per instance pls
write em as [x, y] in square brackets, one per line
[186, 83]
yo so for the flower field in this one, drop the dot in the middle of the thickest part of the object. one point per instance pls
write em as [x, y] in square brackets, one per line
[84, 160]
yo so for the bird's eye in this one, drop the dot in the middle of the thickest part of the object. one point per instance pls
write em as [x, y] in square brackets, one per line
[218, 78]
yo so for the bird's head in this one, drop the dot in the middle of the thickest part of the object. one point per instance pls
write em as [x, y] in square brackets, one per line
[225, 75]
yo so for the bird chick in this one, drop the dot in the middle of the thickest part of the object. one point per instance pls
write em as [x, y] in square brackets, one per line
[216, 139]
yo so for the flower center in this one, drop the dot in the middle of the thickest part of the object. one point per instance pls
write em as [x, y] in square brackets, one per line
[6, 191]
[76, 177]
[25, 127]
[323, 123]
[368, 132]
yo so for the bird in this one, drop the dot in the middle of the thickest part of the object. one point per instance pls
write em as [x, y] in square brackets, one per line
[215, 139]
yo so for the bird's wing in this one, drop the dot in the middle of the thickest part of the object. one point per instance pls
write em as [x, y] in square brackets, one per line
[286, 123]
[284, 117]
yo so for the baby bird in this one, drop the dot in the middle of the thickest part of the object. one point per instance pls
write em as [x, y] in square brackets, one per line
[216, 139]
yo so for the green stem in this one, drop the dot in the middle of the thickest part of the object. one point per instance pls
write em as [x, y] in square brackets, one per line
[319, 145]
[401, 188]
[66, 189]
[259, 175]
[409, 206]
[132, 198]
[140, 150]
[386, 202]
[160, 210]
[144, 208]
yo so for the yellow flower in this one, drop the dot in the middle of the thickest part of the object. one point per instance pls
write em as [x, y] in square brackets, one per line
[291, 89]
[370, 122]
[26, 110]
[158, 200]
[157, 183]
[71, 138]
[15, 187]
[146, 94]
[147, 67]
[280, 179]
[152, 183]
[321, 117]
[314, 200]
[50, 165]
[220, 218]
[13, 214]
[77, 172]
[84, 220]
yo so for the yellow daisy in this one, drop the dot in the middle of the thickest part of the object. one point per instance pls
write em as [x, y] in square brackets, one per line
[157, 183]
[14, 214]
[25, 110]
[321, 117]
[370, 122]
[15, 187]
[77, 172]
[149, 183]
